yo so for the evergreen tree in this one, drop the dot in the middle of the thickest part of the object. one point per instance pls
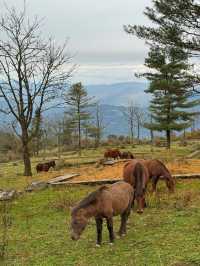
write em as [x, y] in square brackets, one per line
[79, 102]
[169, 86]
[171, 17]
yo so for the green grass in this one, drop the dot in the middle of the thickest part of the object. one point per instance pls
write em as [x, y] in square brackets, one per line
[11, 174]
[167, 232]
[38, 223]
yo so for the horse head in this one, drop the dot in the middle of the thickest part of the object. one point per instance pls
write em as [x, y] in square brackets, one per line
[78, 223]
[170, 182]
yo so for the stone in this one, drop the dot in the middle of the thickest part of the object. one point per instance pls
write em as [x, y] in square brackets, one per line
[36, 186]
[7, 195]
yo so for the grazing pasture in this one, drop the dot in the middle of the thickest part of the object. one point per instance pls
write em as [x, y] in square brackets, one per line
[167, 232]
[35, 227]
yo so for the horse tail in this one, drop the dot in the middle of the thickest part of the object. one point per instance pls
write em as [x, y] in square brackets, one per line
[139, 184]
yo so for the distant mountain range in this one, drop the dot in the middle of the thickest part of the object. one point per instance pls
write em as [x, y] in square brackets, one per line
[120, 93]
[113, 98]
[115, 122]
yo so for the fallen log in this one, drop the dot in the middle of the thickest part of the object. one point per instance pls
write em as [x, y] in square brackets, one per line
[187, 176]
[111, 181]
[61, 179]
[193, 154]
[94, 182]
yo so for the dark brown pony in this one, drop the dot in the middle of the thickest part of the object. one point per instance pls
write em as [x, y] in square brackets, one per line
[106, 202]
[157, 170]
[112, 154]
[127, 155]
[44, 167]
[136, 174]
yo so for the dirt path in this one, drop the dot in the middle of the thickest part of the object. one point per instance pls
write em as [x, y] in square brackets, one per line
[90, 172]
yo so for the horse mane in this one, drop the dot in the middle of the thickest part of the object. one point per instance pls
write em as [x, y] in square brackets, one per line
[90, 199]
[163, 165]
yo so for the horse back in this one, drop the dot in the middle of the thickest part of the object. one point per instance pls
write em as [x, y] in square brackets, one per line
[115, 199]
[157, 168]
[131, 168]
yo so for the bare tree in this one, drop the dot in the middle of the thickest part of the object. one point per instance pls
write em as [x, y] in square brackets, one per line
[139, 118]
[96, 129]
[99, 125]
[135, 118]
[32, 74]
[130, 117]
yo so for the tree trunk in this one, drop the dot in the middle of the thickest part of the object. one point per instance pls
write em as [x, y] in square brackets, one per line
[26, 153]
[79, 133]
[97, 139]
[86, 138]
[26, 158]
[138, 131]
[168, 136]
[132, 133]
[151, 134]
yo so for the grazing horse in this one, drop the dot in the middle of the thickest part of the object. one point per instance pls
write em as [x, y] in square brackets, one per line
[158, 170]
[112, 153]
[44, 167]
[105, 202]
[127, 155]
[136, 173]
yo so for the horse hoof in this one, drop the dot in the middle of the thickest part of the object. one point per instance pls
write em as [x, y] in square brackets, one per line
[98, 246]
[123, 235]
[111, 243]
[140, 211]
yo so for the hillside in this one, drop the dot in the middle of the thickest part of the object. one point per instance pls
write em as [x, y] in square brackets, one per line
[120, 93]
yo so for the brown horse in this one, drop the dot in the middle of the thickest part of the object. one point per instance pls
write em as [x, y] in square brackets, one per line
[136, 173]
[158, 170]
[127, 155]
[44, 167]
[106, 202]
[112, 154]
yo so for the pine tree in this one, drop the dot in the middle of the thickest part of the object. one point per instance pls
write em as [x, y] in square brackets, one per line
[168, 18]
[169, 83]
[79, 102]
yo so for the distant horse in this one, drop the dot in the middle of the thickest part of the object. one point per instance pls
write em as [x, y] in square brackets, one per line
[127, 155]
[157, 170]
[105, 202]
[136, 173]
[112, 154]
[44, 167]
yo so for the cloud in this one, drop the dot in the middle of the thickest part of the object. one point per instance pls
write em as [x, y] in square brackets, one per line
[108, 73]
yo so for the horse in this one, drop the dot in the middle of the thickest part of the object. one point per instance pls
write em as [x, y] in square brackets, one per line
[44, 167]
[105, 202]
[136, 173]
[127, 155]
[112, 153]
[158, 170]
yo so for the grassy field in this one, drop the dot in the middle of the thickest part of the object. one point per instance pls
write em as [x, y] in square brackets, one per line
[34, 228]
[11, 174]
[167, 232]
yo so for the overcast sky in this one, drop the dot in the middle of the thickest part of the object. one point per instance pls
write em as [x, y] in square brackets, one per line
[103, 51]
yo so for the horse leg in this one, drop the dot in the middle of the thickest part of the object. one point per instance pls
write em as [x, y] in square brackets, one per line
[110, 229]
[99, 222]
[124, 218]
[144, 203]
[154, 183]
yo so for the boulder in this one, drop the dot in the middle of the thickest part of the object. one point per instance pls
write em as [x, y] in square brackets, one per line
[7, 195]
[37, 185]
